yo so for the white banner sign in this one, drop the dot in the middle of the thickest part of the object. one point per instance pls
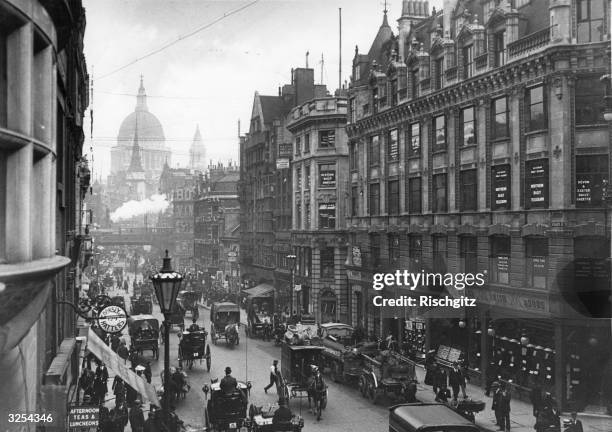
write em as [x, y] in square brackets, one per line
[120, 367]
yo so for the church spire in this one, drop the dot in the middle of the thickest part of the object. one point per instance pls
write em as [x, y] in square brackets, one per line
[141, 99]
[197, 151]
[135, 163]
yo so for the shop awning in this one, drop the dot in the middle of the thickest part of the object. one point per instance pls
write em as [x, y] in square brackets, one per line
[261, 290]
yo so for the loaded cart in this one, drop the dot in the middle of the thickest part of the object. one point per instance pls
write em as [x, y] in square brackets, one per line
[193, 347]
[296, 374]
[388, 374]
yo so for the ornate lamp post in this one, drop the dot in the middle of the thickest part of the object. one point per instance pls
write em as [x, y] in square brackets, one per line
[291, 261]
[167, 283]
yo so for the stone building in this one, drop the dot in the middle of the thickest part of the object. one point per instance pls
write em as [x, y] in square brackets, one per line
[43, 180]
[265, 186]
[216, 222]
[320, 177]
[478, 145]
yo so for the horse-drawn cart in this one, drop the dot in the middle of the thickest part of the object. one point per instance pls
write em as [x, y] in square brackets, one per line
[224, 322]
[188, 300]
[226, 412]
[144, 333]
[261, 420]
[193, 347]
[387, 374]
[259, 307]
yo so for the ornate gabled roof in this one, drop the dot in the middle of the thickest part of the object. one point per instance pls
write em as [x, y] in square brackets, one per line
[381, 43]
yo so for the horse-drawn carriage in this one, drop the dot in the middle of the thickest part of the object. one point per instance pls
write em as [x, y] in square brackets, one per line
[188, 301]
[177, 317]
[142, 305]
[224, 322]
[193, 347]
[144, 333]
[261, 420]
[298, 379]
[226, 412]
[387, 374]
[259, 307]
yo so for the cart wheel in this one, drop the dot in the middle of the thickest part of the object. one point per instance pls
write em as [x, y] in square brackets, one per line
[362, 386]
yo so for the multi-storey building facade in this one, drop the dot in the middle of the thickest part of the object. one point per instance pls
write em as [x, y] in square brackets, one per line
[478, 145]
[178, 184]
[265, 186]
[43, 180]
[320, 177]
[216, 222]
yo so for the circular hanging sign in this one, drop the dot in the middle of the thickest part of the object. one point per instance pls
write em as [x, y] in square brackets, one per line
[112, 319]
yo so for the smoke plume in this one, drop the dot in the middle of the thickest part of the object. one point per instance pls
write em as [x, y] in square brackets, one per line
[130, 209]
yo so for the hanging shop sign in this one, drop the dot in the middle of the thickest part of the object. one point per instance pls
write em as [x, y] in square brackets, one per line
[112, 319]
[83, 417]
[537, 184]
[282, 163]
[285, 150]
[501, 192]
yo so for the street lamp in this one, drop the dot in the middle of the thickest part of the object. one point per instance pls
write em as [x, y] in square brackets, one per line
[166, 283]
[291, 261]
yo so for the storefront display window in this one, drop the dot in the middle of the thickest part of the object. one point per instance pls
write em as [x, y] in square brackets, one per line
[499, 260]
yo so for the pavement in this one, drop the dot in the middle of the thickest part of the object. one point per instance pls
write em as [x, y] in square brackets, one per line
[347, 410]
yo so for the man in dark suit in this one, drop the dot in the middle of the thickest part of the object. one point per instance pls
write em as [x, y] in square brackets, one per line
[502, 409]
[456, 379]
[283, 414]
[137, 420]
[228, 383]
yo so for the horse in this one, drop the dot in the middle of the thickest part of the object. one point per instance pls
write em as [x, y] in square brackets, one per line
[317, 391]
[231, 334]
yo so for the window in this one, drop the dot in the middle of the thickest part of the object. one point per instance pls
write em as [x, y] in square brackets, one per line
[469, 190]
[469, 126]
[298, 146]
[413, 139]
[374, 199]
[438, 71]
[440, 253]
[352, 109]
[536, 118]
[393, 194]
[536, 187]
[393, 92]
[327, 262]
[468, 61]
[308, 217]
[298, 174]
[375, 100]
[415, 251]
[591, 273]
[375, 249]
[327, 138]
[327, 215]
[589, 101]
[500, 118]
[499, 260]
[499, 48]
[374, 153]
[414, 198]
[394, 249]
[536, 258]
[307, 143]
[414, 82]
[298, 214]
[439, 193]
[439, 124]
[354, 201]
[591, 176]
[500, 199]
[468, 254]
[590, 20]
[327, 175]
[392, 146]
[354, 157]
[307, 179]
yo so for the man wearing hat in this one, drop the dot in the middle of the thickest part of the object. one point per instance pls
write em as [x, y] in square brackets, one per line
[228, 384]
[137, 420]
[273, 375]
[283, 414]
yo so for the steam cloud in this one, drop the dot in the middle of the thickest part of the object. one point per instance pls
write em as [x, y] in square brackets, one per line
[130, 209]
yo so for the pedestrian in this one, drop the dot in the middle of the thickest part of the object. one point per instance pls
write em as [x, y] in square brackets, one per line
[574, 425]
[147, 372]
[119, 417]
[123, 350]
[503, 408]
[100, 383]
[495, 388]
[536, 399]
[137, 420]
[430, 361]
[440, 379]
[273, 375]
[115, 341]
[118, 389]
[456, 379]
[411, 391]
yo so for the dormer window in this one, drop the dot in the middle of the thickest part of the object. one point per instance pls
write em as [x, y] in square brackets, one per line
[414, 83]
[468, 61]
[394, 92]
[499, 48]
[438, 71]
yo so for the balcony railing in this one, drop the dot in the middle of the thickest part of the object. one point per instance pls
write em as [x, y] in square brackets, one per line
[530, 42]
[481, 61]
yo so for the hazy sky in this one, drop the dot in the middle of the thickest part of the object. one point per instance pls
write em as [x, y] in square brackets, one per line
[210, 78]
